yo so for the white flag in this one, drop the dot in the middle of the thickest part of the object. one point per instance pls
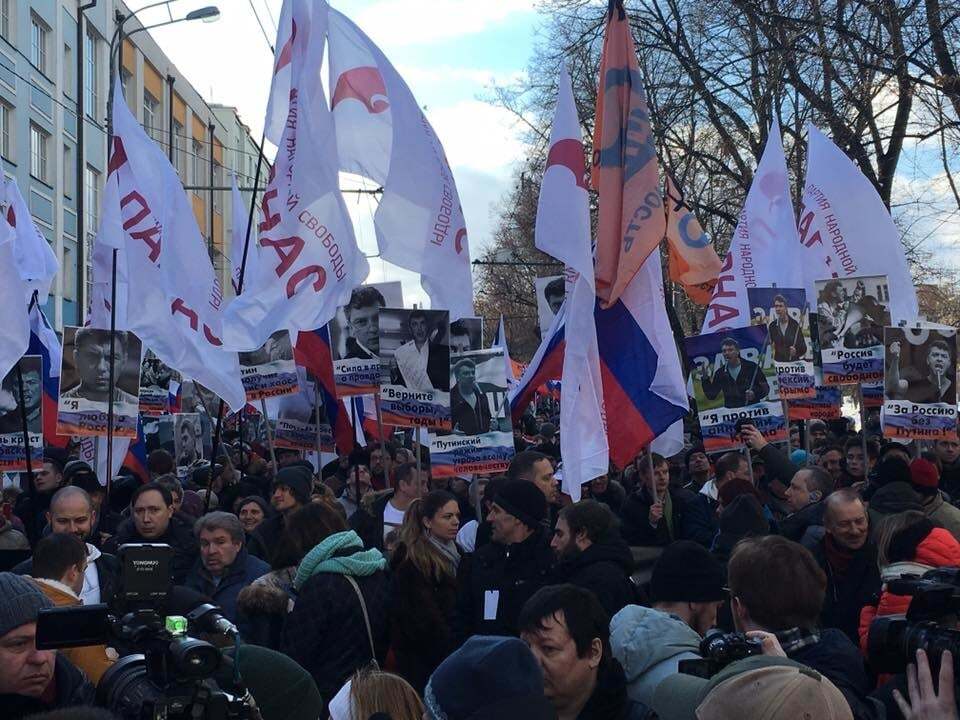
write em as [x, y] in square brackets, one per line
[173, 300]
[239, 217]
[15, 328]
[383, 134]
[93, 451]
[35, 258]
[563, 230]
[765, 250]
[500, 341]
[309, 261]
[846, 230]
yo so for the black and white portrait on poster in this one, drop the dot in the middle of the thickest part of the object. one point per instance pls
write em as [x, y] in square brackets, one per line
[15, 406]
[187, 440]
[85, 382]
[551, 292]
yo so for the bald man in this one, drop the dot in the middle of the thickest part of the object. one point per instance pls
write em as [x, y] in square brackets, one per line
[72, 511]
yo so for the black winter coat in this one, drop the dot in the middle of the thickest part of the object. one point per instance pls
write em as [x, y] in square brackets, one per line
[367, 521]
[108, 572]
[326, 633]
[793, 526]
[515, 572]
[846, 596]
[73, 689]
[421, 620]
[691, 519]
[179, 536]
[265, 539]
[604, 569]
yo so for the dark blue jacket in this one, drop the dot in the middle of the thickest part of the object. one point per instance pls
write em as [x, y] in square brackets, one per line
[245, 569]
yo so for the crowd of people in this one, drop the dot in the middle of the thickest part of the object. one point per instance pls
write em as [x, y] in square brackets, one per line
[379, 589]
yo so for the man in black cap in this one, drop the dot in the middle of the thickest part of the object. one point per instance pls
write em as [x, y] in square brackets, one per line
[500, 577]
[687, 589]
[291, 491]
[32, 508]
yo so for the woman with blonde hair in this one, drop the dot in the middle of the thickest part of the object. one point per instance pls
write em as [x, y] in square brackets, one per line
[425, 566]
[371, 691]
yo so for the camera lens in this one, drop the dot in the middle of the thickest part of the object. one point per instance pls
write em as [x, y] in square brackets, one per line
[194, 659]
[125, 688]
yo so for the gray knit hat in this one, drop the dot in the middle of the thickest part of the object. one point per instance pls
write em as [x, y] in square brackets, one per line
[20, 601]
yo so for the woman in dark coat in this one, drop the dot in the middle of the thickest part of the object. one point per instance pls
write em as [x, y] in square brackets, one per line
[425, 585]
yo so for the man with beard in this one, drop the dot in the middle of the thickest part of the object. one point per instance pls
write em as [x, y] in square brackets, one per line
[592, 555]
[741, 381]
[421, 363]
[785, 335]
[927, 385]
[362, 315]
[91, 358]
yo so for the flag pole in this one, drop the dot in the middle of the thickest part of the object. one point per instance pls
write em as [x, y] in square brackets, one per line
[112, 379]
[416, 451]
[863, 428]
[26, 447]
[383, 440]
[270, 445]
[316, 416]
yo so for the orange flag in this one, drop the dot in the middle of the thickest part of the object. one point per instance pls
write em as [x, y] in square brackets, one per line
[625, 173]
[693, 261]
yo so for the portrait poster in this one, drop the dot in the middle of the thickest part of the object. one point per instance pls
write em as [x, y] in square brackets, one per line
[295, 418]
[466, 334]
[187, 442]
[158, 434]
[269, 371]
[481, 438]
[415, 368]
[551, 292]
[155, 377]
[355, 338]
[14, 405]
[851, 315]
[85, 382]
[824, 405]
[732, 377]
[920, 383]
[785, 313]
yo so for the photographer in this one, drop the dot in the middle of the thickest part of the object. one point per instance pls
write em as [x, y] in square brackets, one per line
[32, 680]
[776, 587]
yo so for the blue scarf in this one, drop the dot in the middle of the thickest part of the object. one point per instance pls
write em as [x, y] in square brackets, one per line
[321, 560]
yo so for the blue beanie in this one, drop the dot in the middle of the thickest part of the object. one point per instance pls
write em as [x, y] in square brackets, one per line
[488, 678]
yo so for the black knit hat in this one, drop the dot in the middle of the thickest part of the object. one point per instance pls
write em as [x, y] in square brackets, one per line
[299, 479]
[687, 572]
[523, 500]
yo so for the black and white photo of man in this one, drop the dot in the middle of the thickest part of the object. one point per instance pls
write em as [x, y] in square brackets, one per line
[550, 293]
[11, 419]
[554, 293]
[187, 440]
[469, 408]
[363, 342]
[465, 335]
[91, 365]
[921, 373]
[741, 381]
[852, 312]
[786, 336]
[423, 362]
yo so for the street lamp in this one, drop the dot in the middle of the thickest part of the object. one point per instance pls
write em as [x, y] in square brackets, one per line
[210, 13]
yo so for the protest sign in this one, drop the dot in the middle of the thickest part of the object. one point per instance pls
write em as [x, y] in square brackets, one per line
[85, 382]
[269, 371]
[294, 418]
[466, 334]
[187, 442]
[158, 434]
[13, 456]
[824, 405]
[481, 440]
[415, 368]
[155, 379]
[920, 383]
[550, 292]
[355, 338]
[851, 315]
[731, 378]
[785, 313]
[872, 394]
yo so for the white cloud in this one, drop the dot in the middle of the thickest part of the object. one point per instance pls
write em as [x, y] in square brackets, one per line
[477, 135]
[413, 22]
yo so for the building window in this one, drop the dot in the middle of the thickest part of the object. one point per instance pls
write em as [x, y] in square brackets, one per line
[5, 19]
[39, 140]
[69, 86]
[151, 116]
[38, 43]
[198, 163]
[178, 150]
[6, 122]
[90, 75]
[69, 172]
[91, 201]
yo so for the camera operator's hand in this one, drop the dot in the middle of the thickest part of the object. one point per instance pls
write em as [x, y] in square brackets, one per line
[770, 644]
[924, 703]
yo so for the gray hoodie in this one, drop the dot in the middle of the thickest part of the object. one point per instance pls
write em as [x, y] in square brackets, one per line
[650, 645]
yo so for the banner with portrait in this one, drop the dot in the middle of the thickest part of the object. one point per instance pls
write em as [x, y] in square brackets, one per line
[785, 313]
[481, 440]
[294, 418]
[155, 377]
[824, 405]
[920, 383]
[85, 382]
[415, 368]
[355, 338]
[732, 381]
[14, 404]
[851, 315]
[550, 292]
[269, 371]
[187, 442]
[466, 334]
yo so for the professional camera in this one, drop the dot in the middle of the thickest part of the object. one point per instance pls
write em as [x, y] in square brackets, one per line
[893, 640]
[719, 649]
[163, 673]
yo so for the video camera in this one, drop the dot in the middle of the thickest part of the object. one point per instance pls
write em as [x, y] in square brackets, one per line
[163, 673]
[719, 649]
[893, 640]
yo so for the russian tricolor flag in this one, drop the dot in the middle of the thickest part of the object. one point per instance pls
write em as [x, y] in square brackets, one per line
[45, 343]
[546, 366]
[312, 351]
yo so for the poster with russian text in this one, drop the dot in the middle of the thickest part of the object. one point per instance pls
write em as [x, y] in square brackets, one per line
[21, 399]
[785, 313]
[851, 315]
[269, 371]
